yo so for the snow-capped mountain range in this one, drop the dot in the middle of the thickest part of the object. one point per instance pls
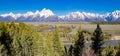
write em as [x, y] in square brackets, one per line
[46, 15]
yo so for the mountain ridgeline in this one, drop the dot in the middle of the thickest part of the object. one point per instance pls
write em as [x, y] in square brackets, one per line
[47, 15]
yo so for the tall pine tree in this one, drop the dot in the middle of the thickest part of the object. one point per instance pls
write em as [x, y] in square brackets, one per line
[58, 47]
[49, 45]
[79, 44]
[97, 40]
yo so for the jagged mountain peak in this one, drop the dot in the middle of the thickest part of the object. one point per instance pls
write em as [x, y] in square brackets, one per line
[46, 12]
[113, 16]
[47, 15]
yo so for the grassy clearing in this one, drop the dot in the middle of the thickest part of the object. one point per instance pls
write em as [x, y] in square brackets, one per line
[68, 30]
[113, 29]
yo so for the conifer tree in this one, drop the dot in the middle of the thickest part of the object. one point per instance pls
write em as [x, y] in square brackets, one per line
[71, 49]
[49, 45]
[97, 40]
[78, 32]
[18, 39]
[38, 45]
[58, 47]
[66, 51]
[118, 52]
[79, 44]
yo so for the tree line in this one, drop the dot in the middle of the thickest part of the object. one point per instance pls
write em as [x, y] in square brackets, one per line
[96, 48]
[19, 39]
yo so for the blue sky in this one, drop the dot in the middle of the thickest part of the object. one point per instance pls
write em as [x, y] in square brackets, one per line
[59, 7]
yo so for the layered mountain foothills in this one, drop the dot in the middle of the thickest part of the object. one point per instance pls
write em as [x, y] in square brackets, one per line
[46, 15]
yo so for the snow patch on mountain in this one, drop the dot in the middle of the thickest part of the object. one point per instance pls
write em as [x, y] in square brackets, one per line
[113, 16]
[83, 16]
[46, 15]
